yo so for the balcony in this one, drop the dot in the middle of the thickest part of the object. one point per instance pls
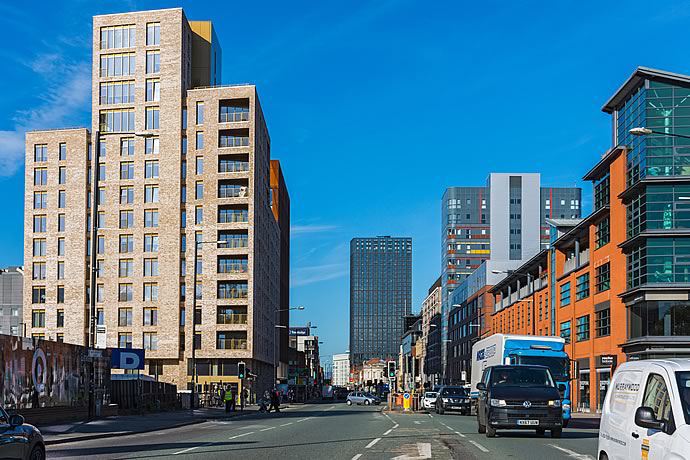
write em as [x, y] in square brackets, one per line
[571, 263]
[233, 239]
[233, 163]
[233, 189]
[223, 343]
[233, 110]
[233, 265]
[228, 215]
[231, 318]
[233, 138]
[232, 290]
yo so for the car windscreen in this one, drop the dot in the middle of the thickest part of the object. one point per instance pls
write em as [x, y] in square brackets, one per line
[683, 379]
[454, 391]
[430, 394]
[521, 377]
[559, 367]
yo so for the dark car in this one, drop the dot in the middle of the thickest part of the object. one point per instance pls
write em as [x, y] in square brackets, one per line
[19, 439]
[453, 398]
[519, 397]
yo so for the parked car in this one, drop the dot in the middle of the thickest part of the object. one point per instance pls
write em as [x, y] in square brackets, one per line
[360, 397]
[453, 398]
[429, 400]
[519, 397]
[19, 440]
[646, 412]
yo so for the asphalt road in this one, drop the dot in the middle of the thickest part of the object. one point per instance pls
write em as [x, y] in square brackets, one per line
[335, 431]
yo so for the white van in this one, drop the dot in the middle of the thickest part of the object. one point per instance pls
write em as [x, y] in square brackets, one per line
[646, 412]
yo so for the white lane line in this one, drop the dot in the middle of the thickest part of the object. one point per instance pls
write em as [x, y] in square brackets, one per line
[191, 448]
[571, 453]
[479, 446]
[331, 408]
[417, 422]
[269, 428]
[240, 435]
[460, 434]
[388, 432]
[371, 444]
[356, 456]
[303, 419]
[430, 416]
[286, 424]
[395, 426]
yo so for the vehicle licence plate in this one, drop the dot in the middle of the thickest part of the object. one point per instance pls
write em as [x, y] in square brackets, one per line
[528, 422]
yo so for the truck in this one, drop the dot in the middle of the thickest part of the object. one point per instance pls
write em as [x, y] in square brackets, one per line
[507, 349]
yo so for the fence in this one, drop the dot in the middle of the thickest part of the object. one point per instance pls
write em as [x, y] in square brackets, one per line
[140, 395]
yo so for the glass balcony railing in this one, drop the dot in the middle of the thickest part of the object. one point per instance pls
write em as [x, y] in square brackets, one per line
[233, 141]
[232, 217]
[231, 318]
[231, 344]
[234, 242]
[233, 267]
[232, 191]
[233, 117]
[233, 166]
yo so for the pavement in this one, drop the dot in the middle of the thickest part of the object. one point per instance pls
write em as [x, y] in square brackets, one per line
[335, 431]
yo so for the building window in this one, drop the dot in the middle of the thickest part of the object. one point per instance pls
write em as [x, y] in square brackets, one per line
[151, 169]
[152, 145]
[582, 331]
[124, 340]
[127, 194]
[199, 190]
[232, 290]
[151, 218]
[184, 117]
[184, 145]
[38, 318]
[603, 277]
[565, 331]
[151, 267]
[602, 233]
[39, 247]
[125, 292]
[126, 244]
[150, 316]
[116, 120]
[126, 219]
[153, 33]
[153, 61]
[118, 37]
[127, 147]
[40, 176]
[150, 243]
[126, 268]
[582, 287]
[199, 165]
[61, 318]
[199, 140]
[236, 111]
[199, 113]
[152, 117]
[565, 294]
[61, 270]
[62, 151]
[100, 317]
[38, 271]
[153, 90]
[40, 153]
[150, 341]
[601, 192]
[150, 194]
[38, 294]
[100, 291]
[40, 200]
[60, 247]
[62, 199]
[150, 292]
[61, 223]
[603, 322]
[117, 92]
[127, 170]
[199, 215]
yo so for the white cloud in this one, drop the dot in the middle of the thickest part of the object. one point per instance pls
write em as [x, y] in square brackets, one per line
[65, 98]
[301, 229]
[314, 274]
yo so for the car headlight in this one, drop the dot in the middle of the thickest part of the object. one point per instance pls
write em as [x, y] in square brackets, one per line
[497, 402]
[444, 399]
[555, 403]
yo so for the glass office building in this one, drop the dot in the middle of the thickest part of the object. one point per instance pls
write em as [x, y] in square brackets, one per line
[380, 296]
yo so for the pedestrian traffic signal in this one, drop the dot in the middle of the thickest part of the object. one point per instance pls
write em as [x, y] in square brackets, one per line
[391, 369]
[241, 370]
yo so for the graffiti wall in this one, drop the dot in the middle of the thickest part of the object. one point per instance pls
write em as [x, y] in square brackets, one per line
[39, 373]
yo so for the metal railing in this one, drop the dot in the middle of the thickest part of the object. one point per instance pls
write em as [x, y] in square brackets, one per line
[233, 141]
[233, 166]
[231, 344]
[233, 293]
[233, 191]
[234, 242]
[232, 117]
[231, 318]
[232, 217]
[234, 267]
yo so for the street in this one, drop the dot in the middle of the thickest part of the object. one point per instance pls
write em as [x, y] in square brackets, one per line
[336, 431]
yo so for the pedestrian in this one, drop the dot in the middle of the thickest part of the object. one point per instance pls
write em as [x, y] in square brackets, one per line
[221, 396]
[275, 400]
[233, 400]
[228, 399]
[267, 399]
[242, 400]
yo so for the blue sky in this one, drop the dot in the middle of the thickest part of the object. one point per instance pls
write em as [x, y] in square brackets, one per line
[374, 107]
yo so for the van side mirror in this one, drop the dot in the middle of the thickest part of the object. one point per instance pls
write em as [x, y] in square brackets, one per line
[561, 389]
[16, 420]
[644, 417]
[481, 386]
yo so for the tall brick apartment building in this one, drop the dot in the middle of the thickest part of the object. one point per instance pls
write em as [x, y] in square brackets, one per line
[182, 160]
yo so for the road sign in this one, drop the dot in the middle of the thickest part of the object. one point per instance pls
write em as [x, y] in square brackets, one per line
[407, 401]
[127, 358]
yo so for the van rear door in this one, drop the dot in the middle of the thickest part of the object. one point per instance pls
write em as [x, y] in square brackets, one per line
[649, 443]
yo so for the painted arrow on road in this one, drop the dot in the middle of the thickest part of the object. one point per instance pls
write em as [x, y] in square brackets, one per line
[424, 449]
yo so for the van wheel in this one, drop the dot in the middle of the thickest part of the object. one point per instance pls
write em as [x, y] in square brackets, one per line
[490, 432]
[541, 431]
[603, 456]
[556, 432]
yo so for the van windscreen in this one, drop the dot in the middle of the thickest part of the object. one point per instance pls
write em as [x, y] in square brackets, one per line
[683, 379]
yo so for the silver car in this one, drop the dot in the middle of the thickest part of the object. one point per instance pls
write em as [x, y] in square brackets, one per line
[360, 397]
[19, 440]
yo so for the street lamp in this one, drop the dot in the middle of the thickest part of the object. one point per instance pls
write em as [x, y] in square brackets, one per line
[642, 131]
[275, 342]
[194, 296]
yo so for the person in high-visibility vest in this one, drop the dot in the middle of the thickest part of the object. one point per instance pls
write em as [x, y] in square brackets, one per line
[229, 399]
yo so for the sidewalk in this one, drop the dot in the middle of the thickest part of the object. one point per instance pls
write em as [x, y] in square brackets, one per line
[584, 420]
[123, 425]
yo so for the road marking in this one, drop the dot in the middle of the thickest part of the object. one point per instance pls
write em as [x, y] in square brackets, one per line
[460, 434]
[430, 416]
[269, 428]
[479, 446]
[356, 456]
[303, 419]
[424, 450]
[192, 448]
[571, 453]
[388, 432]
[332, 407]
[240, 435]
[371, 444]
[395, 426]
[286, 424]
[417, 422]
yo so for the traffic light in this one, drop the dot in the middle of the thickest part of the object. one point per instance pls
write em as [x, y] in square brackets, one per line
[391, 369]
[241, 370]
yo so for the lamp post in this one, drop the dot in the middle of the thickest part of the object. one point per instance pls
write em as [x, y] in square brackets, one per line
[194, 296]
[642, 131]
[95, 155]
[275, 343]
